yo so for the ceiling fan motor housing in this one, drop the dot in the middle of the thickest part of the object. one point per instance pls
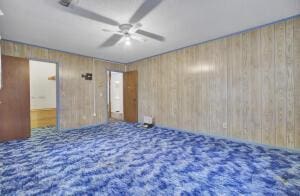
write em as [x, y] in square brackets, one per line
[125, 27]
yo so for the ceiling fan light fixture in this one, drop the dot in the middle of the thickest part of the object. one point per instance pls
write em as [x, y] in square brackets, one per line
[127, 39]
[128, 42]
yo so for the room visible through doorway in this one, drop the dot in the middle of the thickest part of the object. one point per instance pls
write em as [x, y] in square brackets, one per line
[115, 96]
[42, 94]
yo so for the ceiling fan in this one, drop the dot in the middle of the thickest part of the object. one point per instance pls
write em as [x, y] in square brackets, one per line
[128, 31]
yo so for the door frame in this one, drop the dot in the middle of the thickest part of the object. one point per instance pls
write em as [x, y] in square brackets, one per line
[58, 107]
[106, 91]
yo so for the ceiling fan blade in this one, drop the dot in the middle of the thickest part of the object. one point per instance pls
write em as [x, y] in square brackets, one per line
[138, 38]
[115, 38]
[74, 9]
[143, 10]
[151, 35]
[110, 31]
[135, 28]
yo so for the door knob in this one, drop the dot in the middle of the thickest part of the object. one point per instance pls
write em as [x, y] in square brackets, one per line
[0, 102]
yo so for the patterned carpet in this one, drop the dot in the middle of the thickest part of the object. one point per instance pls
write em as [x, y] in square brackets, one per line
[121, 159]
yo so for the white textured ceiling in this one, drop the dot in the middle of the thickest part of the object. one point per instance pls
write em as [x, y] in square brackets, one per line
[182, 22]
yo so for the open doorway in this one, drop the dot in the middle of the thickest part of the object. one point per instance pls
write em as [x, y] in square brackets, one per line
[122, 96]
[42, 94]
[115, 96]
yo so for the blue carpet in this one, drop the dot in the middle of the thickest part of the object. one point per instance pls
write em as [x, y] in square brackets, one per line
[121, 159]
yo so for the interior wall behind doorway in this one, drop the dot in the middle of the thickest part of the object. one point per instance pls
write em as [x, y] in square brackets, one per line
[42, 94]
[116, 92]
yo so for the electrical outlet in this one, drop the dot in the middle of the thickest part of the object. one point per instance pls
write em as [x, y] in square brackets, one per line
[94, 114]
[225, 125]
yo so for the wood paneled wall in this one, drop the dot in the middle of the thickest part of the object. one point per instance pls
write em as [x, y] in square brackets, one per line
[246, 86]
[76, 94]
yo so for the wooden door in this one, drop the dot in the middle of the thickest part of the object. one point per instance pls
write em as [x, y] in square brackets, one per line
[14, 99]
[130, 96]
